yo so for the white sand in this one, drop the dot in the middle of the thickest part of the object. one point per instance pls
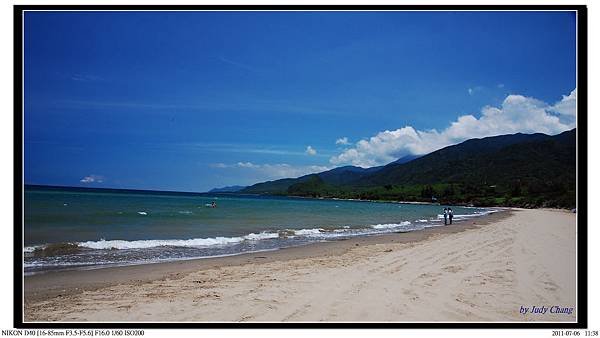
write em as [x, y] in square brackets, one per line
[481, 274]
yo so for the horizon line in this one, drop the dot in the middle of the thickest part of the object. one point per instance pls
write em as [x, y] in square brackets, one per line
[109, 188]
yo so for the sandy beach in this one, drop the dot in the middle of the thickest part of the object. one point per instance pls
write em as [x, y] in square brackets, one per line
[487, 269]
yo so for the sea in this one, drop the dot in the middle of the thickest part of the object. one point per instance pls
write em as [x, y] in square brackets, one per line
[76, 228]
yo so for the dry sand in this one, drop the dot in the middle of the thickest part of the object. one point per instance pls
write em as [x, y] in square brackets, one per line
[476, 271]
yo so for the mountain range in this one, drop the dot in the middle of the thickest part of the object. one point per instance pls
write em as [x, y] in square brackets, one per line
[233, 188]
[529, 170]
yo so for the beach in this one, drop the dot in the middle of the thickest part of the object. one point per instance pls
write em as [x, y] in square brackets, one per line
[486, 269]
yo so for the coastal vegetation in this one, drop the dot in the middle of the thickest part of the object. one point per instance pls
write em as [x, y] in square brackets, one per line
[521, 170]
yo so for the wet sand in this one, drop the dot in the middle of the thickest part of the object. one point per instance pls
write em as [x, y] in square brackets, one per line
[478, 270]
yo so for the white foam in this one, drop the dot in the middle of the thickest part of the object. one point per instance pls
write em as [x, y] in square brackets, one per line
[101, 264]
[151, 243]
[390, 225]
[202, 242]
[262, 235]
[308, 232]
[322, 233]
[36, 264]
[475, 214]
[433, 225]
[32, 248]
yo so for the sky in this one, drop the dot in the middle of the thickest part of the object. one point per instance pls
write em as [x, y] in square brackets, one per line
[189, 101]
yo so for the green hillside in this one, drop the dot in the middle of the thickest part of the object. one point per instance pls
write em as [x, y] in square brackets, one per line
[510, 170]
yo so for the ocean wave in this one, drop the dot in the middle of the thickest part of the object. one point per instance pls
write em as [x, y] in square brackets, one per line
[118, 244]
[153, 243]
[32, 248]
[390, 225]
[308, 232]
[261, 235]
[53, 249]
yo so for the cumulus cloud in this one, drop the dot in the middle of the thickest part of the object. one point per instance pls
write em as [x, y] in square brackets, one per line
[269, 171]
[567, 106]
[342, 141]
[311, 151]
[516, 114]
[92, 179]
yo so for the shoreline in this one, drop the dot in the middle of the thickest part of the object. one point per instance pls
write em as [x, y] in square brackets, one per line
[330, 198]
[371, 230]
[50, 283]
[479, 270]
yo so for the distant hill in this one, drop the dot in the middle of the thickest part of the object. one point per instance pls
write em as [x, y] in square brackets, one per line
[233, 188]
[277, 187]
[345, 175]
[518, 170]
[337, 176]
[474, 159]
[406, 159]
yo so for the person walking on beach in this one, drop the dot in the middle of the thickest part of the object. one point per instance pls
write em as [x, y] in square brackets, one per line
[450, 214]
[445, 216]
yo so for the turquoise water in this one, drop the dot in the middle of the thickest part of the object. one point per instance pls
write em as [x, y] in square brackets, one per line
[74, 228]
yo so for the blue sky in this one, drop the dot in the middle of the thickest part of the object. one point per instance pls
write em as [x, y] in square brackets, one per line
[194, 100]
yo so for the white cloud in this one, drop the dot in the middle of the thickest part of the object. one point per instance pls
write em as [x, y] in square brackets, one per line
[342, 141]
[311, 151]
[500, 85]
[92, 179]
[567, 106]
[516, 114]
[283, 170]
[274, 171]
[247, 165]
[470, 90]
